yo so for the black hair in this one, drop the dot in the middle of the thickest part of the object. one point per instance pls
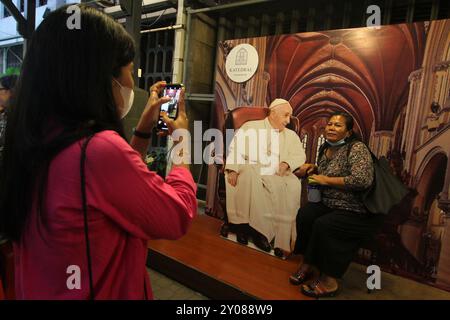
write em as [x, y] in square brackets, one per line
[63, 95]
[8, 82]
[349, 123]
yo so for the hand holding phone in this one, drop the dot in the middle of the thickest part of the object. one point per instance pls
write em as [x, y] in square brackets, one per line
[151, 113]
[170, 108]
[181, 120]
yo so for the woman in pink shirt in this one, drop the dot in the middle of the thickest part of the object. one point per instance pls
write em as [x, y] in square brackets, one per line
[75, 87]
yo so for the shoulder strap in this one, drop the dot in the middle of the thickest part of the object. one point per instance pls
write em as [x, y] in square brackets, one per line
[322, 149]
[84, 203]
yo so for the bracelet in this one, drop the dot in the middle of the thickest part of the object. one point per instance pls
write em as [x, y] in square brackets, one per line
[142, 135]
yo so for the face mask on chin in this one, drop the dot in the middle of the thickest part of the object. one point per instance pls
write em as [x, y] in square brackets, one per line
[127, 97]
[337, 143]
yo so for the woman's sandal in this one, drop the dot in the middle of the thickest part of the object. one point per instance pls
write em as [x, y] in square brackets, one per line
[300, 277]
[317, 290]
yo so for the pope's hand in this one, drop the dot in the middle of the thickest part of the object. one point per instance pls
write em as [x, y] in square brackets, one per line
[232, 178]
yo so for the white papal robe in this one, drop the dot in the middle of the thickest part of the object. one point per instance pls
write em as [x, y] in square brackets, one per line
[269, 203]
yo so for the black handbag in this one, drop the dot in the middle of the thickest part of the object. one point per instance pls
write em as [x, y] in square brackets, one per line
[386, 190]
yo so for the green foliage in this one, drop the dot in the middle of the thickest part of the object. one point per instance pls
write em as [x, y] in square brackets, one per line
[11, 71]
[157, 160]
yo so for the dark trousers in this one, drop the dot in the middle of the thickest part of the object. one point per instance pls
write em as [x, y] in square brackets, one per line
[329, 238]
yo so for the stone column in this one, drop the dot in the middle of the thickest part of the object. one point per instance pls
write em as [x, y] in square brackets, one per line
[441, 72]
[411, 119]
[381, 142]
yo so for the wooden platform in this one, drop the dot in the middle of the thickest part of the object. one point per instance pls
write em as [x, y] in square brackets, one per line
[222, 269]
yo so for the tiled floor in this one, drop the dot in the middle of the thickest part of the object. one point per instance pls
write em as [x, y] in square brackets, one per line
[392, 287]
[167, 289]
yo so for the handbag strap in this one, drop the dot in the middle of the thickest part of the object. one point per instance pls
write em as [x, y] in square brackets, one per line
[86, 227]
[84, 204]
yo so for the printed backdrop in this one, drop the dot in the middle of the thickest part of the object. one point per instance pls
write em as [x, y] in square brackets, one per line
[395, 81]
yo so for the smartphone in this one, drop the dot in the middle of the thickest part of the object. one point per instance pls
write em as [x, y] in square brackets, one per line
[172, 91]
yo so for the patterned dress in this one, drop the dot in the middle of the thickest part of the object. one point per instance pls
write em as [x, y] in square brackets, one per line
[330, 232]
[357, 170]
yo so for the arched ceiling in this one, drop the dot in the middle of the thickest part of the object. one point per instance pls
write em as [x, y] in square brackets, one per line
[363, 71]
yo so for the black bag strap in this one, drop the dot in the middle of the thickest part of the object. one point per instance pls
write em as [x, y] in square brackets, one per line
[84, 203]
[86, 226]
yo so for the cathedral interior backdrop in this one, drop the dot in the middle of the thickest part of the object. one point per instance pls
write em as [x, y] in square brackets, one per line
[395, 81]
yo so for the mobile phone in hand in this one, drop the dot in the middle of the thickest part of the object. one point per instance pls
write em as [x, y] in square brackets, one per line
[173, 91]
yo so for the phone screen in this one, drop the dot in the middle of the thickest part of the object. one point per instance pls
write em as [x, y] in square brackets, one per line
[171, 107]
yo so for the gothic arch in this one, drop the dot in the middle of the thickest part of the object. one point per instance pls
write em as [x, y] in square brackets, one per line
[430, 177]
[426, 160]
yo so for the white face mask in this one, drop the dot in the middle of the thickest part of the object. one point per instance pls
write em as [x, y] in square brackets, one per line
[128, 98]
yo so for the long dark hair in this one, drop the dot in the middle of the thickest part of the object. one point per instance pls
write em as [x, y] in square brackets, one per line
[63, 95]
[349, 123]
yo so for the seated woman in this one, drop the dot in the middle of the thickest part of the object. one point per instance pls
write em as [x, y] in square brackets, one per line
[330, 232]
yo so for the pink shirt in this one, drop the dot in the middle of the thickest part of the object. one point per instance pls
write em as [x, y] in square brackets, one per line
[127, 205]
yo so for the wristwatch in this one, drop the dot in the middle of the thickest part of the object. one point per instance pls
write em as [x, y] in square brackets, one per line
[143, 135]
